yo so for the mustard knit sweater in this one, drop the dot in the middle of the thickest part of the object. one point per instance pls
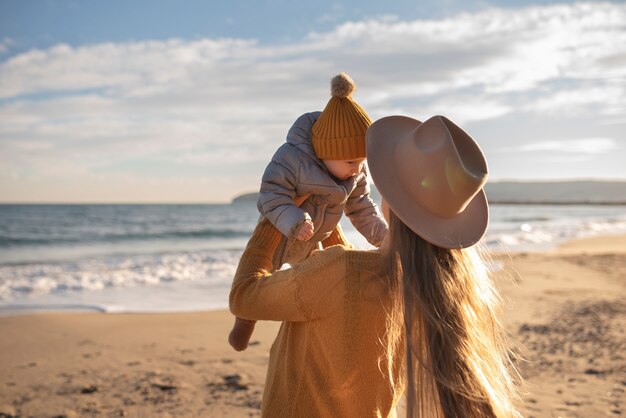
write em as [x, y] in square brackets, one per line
[329, 358]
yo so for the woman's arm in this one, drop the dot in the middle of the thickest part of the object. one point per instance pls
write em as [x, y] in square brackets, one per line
[306, 291]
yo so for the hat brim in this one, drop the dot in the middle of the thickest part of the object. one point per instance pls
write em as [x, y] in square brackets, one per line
[460, 231]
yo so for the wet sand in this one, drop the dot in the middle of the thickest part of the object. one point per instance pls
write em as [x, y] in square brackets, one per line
[565, 310]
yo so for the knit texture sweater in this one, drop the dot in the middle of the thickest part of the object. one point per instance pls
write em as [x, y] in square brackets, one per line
[329, 358]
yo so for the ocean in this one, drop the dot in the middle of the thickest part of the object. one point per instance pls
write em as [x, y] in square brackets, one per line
[157, 258]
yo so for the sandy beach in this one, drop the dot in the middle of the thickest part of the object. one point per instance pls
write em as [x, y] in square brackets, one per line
[565, 310]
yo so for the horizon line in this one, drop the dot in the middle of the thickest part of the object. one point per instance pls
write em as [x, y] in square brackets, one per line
[219, 202]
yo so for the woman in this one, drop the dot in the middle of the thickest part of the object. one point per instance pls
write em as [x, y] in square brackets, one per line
[417, 315]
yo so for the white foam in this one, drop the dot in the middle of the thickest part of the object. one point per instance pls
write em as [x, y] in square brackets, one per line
[542, 235]
[24, 281]
[200, 279]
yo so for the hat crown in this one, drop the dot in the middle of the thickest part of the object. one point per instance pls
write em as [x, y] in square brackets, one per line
[431, 174]
[441, 166]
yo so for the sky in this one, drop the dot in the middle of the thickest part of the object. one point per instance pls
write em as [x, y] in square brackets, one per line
[186, 101]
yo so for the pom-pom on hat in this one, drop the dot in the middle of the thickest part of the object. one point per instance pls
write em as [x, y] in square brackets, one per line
[339, 133]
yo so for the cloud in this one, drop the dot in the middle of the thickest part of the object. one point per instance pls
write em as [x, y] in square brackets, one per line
[604, 97]
[574, 146]
[199, 101]
[5, 45]
[500, 50]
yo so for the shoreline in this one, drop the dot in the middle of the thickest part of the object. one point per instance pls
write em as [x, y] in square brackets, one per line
[590, 245]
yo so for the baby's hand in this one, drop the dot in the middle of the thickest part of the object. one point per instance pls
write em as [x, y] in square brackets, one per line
[305, 231]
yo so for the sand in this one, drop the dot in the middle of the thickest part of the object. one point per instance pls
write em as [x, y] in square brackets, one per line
[565, 310]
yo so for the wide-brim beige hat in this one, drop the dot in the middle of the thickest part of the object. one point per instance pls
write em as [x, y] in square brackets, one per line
[431, 175]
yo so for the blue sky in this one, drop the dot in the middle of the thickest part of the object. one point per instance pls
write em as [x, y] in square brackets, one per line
[47, 22]
[186, 101]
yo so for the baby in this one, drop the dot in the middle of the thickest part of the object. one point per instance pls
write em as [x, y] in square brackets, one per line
[317, 175]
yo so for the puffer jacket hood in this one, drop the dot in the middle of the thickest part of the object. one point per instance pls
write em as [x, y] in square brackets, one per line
[299, 134]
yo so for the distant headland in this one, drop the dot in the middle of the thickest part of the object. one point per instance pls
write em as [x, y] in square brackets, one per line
[590, 192]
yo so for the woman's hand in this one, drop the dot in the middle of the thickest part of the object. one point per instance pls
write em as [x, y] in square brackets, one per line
[305, 231]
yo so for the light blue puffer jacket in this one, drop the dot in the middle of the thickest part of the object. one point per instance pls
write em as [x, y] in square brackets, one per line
[295, 171]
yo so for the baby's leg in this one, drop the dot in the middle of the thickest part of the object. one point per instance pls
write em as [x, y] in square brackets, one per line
[239, 336]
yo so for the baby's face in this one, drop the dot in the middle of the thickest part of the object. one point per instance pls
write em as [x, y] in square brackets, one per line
[344, 169]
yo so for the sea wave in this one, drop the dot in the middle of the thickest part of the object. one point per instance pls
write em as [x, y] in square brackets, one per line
[25, 281]
[527, 219]
[536, 237]
[11, 241]
[160, 258]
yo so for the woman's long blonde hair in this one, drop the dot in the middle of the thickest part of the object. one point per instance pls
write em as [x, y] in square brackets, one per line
[444, 315]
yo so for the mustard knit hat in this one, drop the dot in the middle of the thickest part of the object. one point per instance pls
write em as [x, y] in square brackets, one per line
[339, 132]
